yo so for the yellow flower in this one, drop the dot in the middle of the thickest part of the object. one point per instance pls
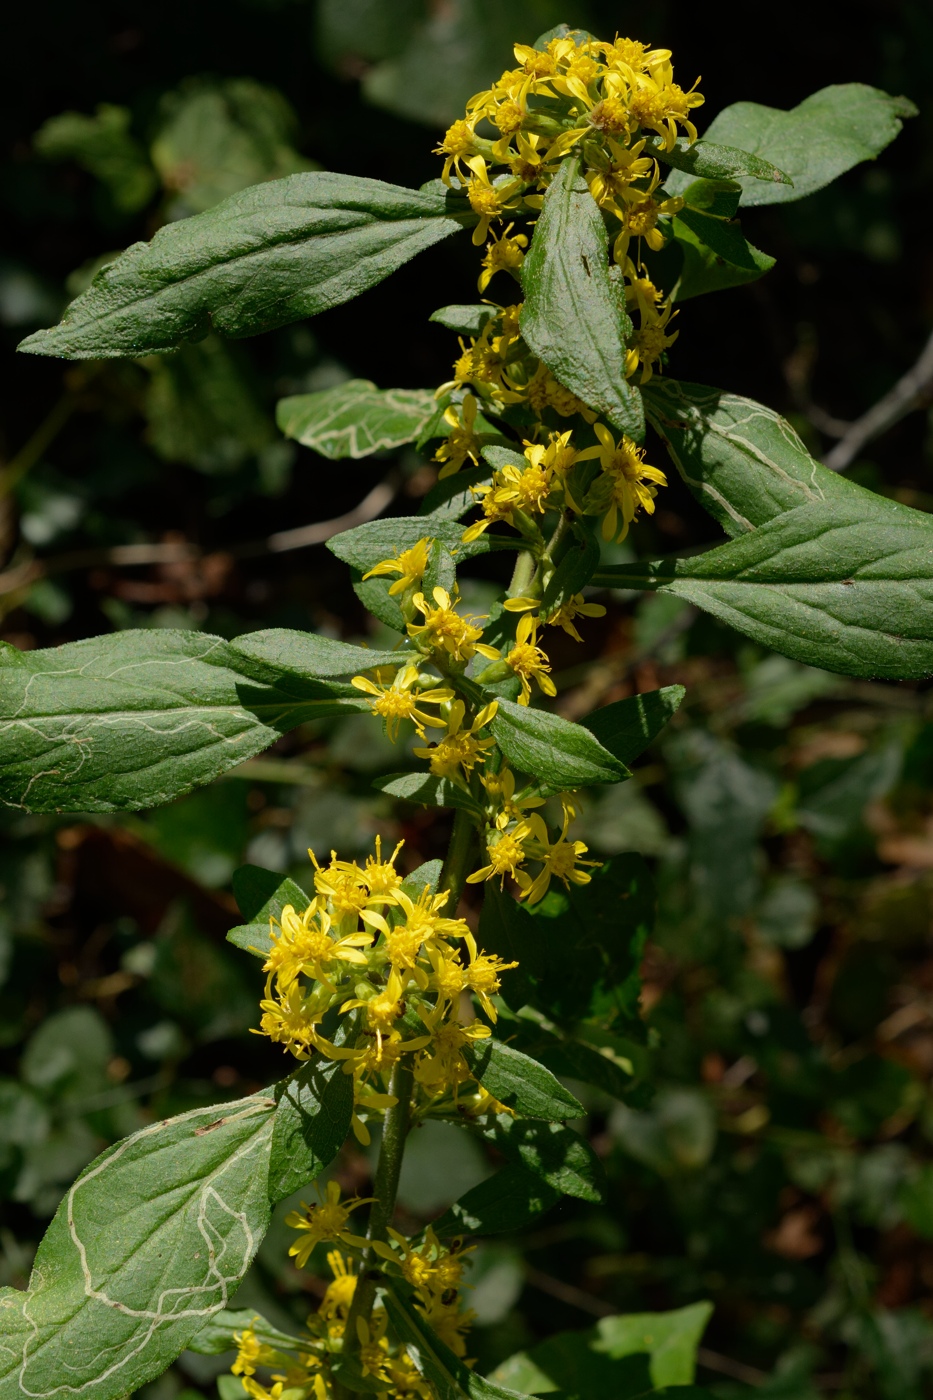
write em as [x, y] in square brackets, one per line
[487, 200]
[305, 945]
[561, 860]
[327, 1221]
[382, 1009]
[461, 442]
[339, 1294]
[449, 1323]
[623, 487]
[500, 788]
[401, 701]
[441, 1068]
[423, 925]
[460, 749]
[432, 1268]
[503, 254]
[290, 1018]
[411, 564]
[459, 142]
[482, 974]
[651, 341]
[250, 1352]
[659, 104]
[382, 878]
[445, 630]
[512, 489]
[506, 855]
[574, 607]
[528, 661]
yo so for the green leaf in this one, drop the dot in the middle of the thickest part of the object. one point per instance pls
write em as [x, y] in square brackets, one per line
[520, 1082]
[427, 791]
[706, 268]
[426, 877]
[742, 461]
[556, 752]
[557, 1154]
[707, 160]
[151, 1240]
[271, 255]
[104, 147]
[445, 1373]
[139, 717]
[367, 545]
[605, 922]
[815, 142]
[451, 498]
[216, 137]
[261, 895]
[606, 1068]
[510, 1200]
[586, 1364]
[312, 1120]
[627, 727]
[356, 419]
[310, 656]
[843, 584]
[574, 318]
[217, 1335]
[464, 320]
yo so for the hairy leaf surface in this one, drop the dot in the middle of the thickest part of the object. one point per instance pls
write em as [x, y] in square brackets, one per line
[356, 419]
[574, 317]
[844, 584]
[151, 1240]
[270, 255]
[556, 752]
[814, 143]
[136, 718]
[520, 1082]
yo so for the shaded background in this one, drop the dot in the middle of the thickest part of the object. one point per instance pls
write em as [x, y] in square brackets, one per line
[783, 1166]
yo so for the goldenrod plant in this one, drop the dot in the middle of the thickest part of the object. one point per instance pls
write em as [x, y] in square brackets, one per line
[597, 212]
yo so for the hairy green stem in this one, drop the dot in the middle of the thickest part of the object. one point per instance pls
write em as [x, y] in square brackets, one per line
[457, 862]
[385, 1189]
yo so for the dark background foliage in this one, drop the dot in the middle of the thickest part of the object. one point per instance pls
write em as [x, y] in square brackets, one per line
[783, 1166]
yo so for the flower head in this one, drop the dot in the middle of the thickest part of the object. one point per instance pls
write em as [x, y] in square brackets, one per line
[327, 1221]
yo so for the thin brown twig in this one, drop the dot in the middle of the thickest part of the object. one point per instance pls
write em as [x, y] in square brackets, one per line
[135, 555]
[911, 391]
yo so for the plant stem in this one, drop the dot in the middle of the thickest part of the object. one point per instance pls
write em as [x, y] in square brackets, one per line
[385, 1189]
[456, 865]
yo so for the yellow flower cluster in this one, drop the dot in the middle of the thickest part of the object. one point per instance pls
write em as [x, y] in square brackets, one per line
[624, 484]
[612, 105]
[365, 945]
[304, 1372]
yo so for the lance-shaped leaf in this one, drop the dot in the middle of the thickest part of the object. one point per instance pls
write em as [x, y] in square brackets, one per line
[151, 1240]
[445, 1373]
[218, 1335]
[265, 257]
[743, 462]
[356, 419]
[707, 160]
[574, 315]
[428, 791]
[507, 1201]
[844, 584]
[464, 320]
[312, 1120]
[310, 656]
[261, 895]
[137, 718]
[813, 143]
[558, 753]
[627, 727]
[556, 1153]
[716, 254]
[520, 1082]
[367, 545]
